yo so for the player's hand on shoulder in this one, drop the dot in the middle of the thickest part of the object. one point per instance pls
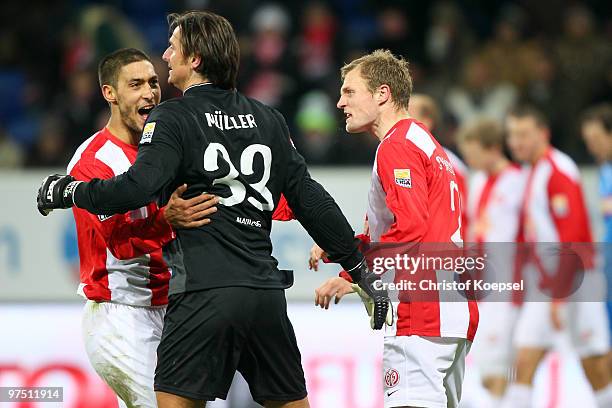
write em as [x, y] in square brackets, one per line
[316, 254]
[334, 287]
[190, 213]
[56, 191]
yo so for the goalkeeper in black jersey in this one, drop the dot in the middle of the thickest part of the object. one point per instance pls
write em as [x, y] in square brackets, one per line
[227, 308]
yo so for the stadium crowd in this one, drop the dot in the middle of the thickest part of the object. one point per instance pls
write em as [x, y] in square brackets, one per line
[475, 58]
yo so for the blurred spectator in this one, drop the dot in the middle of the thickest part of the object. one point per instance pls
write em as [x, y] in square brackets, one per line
[266, 73]
[79, 107]
[50, 149]
[394, 34]
[508, 55]
[542, 88]
[11, 154]
[108, 30]
[317, 127]
[449, 40]
[316, 44]
[97, 31]
[480, 95]
[583, 58]
[476, 60]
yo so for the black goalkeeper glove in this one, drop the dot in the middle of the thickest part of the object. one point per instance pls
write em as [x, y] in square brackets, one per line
[375, 298]
[56, 191]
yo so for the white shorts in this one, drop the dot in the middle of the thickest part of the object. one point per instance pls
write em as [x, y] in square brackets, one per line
[423, 371]
[492, 348]
[121, 343]
[585, 322]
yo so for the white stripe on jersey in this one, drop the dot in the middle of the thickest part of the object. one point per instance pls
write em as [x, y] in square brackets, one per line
[128, 279]
[77, 155]
[115, 158]
[565, 165]
[541, 226]
[421, 139]
[503, 207]
[380, 217]
[454, 310]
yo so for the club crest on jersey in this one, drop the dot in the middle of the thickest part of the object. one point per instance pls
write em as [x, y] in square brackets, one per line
[392, 378]
[402, 178]
[147, 133]
[560, 205]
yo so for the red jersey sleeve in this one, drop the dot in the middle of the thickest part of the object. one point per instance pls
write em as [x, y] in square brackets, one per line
[569, 213]
[283, 212]
[567, 209]
[402, 173]
[125, 237]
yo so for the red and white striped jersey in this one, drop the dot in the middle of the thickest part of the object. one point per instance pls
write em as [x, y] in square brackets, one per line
[553, 208]
[120, 255]
[494, 205]
[414, 198]
[554, 212]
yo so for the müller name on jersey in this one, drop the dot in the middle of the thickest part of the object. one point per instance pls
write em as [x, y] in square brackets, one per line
[224, 122]
[450, 285]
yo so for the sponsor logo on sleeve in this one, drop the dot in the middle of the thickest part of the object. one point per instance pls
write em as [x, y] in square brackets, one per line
[402, 178]
[560, 205]
[147, 133]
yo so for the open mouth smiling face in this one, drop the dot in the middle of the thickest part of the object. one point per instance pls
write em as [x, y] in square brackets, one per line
[144, 111]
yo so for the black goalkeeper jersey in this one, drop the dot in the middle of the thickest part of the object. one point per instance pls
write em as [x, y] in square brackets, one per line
[221, 142]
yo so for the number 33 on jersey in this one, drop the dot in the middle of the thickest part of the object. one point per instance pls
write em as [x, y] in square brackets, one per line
[237, 187]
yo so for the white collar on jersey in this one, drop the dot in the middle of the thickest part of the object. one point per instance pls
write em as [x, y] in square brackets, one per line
[194, 85]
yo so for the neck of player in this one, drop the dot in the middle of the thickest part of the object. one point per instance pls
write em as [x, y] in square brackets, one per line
[121, 131]
[194, 79]
[540, 152]
[386, 120]
[498, 165]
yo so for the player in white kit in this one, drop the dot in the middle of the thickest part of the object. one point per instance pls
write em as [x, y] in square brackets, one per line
[553, 211]
[496, 192]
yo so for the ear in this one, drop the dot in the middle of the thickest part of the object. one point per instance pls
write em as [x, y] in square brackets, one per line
[195, 62]
[109, 93]
[382, 94]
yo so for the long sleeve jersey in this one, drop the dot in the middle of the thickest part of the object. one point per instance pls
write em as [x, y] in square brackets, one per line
[221, 142]
[120, 255]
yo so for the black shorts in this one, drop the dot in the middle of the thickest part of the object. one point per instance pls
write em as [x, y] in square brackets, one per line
[210, 334]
